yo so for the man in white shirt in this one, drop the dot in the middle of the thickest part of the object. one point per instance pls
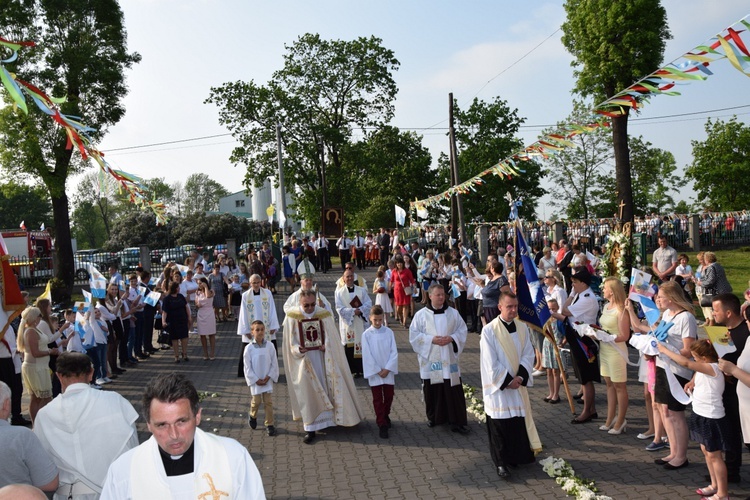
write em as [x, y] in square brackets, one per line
[665, 261]
[344, 244]
[84, 430]
[324, 260]
[359, 249]
[180, 461]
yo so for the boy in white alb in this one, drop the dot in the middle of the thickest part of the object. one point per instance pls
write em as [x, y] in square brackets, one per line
[380, 364]
[261, 371]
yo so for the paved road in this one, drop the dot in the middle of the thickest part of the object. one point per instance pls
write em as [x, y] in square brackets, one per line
[417, 462]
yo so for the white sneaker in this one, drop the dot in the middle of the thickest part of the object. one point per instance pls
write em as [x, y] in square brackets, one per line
[538, 373]
[107, 380]
[101, 381]
[96, 386]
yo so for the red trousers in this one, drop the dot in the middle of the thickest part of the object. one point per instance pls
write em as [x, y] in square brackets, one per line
[382, 398]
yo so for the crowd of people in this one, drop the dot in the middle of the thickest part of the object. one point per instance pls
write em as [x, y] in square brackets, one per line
[439, 297]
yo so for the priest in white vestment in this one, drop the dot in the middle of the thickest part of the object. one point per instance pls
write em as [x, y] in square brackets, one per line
[306, 273]
[257, 304]
[321, 389]
[180, 461]
[84, 430]
[353, 305]
[506, 361]
[438, 335]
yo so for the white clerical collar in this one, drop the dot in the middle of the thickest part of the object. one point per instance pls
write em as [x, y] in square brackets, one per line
[308, 315]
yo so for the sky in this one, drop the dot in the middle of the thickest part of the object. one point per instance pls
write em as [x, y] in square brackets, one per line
[477, 49]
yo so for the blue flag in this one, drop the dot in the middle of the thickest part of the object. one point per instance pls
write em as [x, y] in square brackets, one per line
[532, 307]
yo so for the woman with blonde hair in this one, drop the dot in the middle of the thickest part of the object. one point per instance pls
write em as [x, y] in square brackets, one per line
[37, 377]
[681, 335]
[614, 368]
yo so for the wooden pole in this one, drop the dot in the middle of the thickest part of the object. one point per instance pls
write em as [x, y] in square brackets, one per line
[458, 211]
[563, 376]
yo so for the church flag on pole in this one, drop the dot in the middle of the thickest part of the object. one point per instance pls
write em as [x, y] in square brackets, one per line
[400, 215]
[532, 307]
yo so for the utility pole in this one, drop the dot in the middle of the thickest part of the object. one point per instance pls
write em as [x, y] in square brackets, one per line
[321, 151]
[282, 189]
[457, 207]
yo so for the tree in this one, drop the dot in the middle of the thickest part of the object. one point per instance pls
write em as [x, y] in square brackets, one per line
[682, 207]
[486, 133]
[575, 172]
[88, 227]
[326, 89]
[614, 45]
[721, 166]
[387, 167]
[653, 173]
[19, 202]
[214, 229]
[139, 228]
[81, 54]
[202, 194]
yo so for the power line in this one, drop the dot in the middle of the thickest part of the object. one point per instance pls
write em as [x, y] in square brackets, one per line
[411, 129]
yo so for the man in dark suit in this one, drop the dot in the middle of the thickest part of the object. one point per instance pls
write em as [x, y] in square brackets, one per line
[385, 246]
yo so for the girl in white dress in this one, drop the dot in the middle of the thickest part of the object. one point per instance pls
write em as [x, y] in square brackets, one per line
[380, 289]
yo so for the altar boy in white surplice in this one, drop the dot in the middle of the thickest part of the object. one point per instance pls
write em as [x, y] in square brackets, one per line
[261, 372]
[380, 363]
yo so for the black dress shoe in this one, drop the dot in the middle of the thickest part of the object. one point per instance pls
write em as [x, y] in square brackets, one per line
[684, 464]
[659, 461]
[309, 437]
[118, 371]
[430, 423]
[271, 430]
[384, 432]
[461, 429]
[20, 421]
[253, 422]
[503, 472]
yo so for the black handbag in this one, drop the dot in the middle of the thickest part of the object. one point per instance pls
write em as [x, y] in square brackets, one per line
[707, 299]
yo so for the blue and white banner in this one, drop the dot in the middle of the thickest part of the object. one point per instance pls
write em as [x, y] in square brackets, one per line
[532, 307]
[97, 282]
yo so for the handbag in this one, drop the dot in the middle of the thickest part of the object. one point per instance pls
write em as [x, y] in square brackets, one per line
[163, 338]
[408, 290]
[707, 299]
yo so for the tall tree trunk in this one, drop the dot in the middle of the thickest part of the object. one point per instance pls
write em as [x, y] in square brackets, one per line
[64, 268]
[623, 178]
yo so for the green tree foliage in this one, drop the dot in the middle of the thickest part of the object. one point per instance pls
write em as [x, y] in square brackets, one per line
[387, 168]
[576, 172]
[135, 228]
[202, 194]
[326, 90]
[81, 54]
[486, 133]
[614, 45]
[88, 227]
[19, 202]
[721, 166]
[202, 229]
[654, 179]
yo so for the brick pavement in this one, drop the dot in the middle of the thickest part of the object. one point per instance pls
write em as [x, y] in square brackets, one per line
[417, 462]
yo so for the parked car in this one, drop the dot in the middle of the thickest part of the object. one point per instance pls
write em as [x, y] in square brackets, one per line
[81, 261]
[173, 255]
[130, 258]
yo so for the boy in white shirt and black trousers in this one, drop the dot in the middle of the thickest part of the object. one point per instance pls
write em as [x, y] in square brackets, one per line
[380, 364]
[261, 371]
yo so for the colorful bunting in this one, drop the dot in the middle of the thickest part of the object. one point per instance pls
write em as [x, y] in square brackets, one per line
[692, 66]
[76, 131]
